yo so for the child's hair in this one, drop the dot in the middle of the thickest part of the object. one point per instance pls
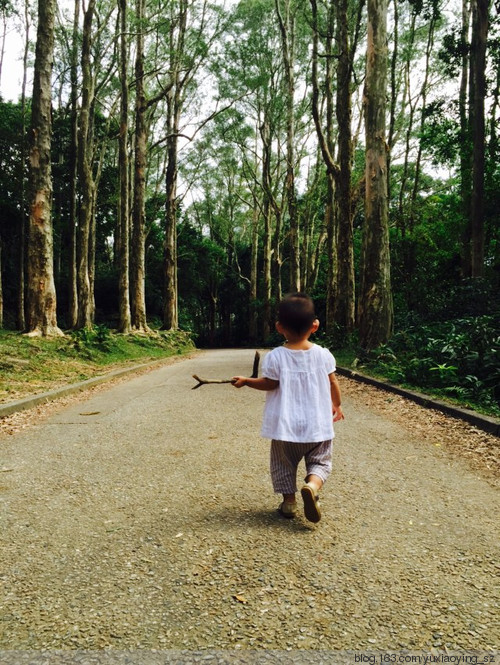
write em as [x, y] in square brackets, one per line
[296, 313]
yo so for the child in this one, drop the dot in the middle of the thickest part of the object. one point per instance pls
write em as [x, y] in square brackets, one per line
[302, 394]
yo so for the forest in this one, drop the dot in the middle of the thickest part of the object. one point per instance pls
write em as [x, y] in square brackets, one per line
[182, 164]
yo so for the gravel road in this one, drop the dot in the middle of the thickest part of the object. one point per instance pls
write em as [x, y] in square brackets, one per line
[142, 517]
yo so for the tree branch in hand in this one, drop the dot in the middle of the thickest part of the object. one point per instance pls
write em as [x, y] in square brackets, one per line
[255, 374]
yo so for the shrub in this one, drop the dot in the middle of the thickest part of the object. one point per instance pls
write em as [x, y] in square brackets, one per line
[458, 357]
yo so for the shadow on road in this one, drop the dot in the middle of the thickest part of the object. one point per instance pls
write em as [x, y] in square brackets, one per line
[228, 519]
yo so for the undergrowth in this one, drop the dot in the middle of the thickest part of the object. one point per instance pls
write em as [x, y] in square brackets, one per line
[458, 359]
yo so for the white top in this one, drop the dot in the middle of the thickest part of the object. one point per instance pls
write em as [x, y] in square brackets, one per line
[300, 408]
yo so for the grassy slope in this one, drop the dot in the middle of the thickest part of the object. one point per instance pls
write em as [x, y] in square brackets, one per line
[33, 365]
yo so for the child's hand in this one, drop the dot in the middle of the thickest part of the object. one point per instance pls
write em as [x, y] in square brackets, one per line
[238, 381]
[337, 414]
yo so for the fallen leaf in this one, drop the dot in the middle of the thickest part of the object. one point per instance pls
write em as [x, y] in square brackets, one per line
[240, 599]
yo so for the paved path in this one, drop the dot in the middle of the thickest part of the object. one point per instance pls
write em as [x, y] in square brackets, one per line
[144, 518]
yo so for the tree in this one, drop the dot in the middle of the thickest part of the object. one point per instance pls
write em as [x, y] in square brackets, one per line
[375, 302]
[339, 209]
[286, 22]
[189, 39]
[85, 177]
[137, 255]
[477, 94]
[73, 169]
[123, 209]
[174, 98]
[42, 318]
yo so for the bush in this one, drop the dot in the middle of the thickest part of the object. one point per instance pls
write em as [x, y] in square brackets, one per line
[458, 357]
[87, 340]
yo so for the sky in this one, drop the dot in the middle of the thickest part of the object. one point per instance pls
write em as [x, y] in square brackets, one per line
[12, 71]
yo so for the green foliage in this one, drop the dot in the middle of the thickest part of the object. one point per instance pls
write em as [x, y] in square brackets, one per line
[86, 340]
[458, 358]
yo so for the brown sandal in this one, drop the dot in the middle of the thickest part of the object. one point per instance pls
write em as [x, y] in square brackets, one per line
[287, 509]
[311, 503]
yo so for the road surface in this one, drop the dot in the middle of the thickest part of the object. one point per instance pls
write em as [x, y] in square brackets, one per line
[143, 517]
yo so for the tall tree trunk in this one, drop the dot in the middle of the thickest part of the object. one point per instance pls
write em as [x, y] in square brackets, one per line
[85, 177]
[287, 31]
[266, 212]
[409, 129]
[253, 316]
[123, 217]
[480, 24]
[21, 257]
[253, 331]
[170, 309]
[423, 96]
[137, 255]
[393, 93]
[42, 318]
[325, 140]
[375, 305]
[174, 98]
[276, 260]
[314, 245]
[465, 141]
[73, 173]
[344, 302]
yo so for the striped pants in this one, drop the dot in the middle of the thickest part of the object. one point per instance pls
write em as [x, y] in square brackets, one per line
[285, 458]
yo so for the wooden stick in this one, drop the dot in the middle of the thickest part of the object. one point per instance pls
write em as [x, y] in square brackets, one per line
[256, 361]
[255, 374]
[202, 382]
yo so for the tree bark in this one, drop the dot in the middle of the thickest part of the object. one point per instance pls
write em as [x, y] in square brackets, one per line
[123, 162]
[41, 314]
[287, 31]
[266, 212]
[409, 129]
[344, 302]
[480, 24]
[73, 170]
[465, 139]
[137, 255]
[85, 177]
[170, 311]
[423, 96]
[325, 140]
[178, 27]
[253, 309]
[375, 305]
[253, 315]
[21, 258]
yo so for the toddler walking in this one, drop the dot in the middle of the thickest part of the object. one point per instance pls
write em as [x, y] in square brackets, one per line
[302, 402]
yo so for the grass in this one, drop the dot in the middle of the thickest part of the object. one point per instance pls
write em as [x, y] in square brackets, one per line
[30, 365]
